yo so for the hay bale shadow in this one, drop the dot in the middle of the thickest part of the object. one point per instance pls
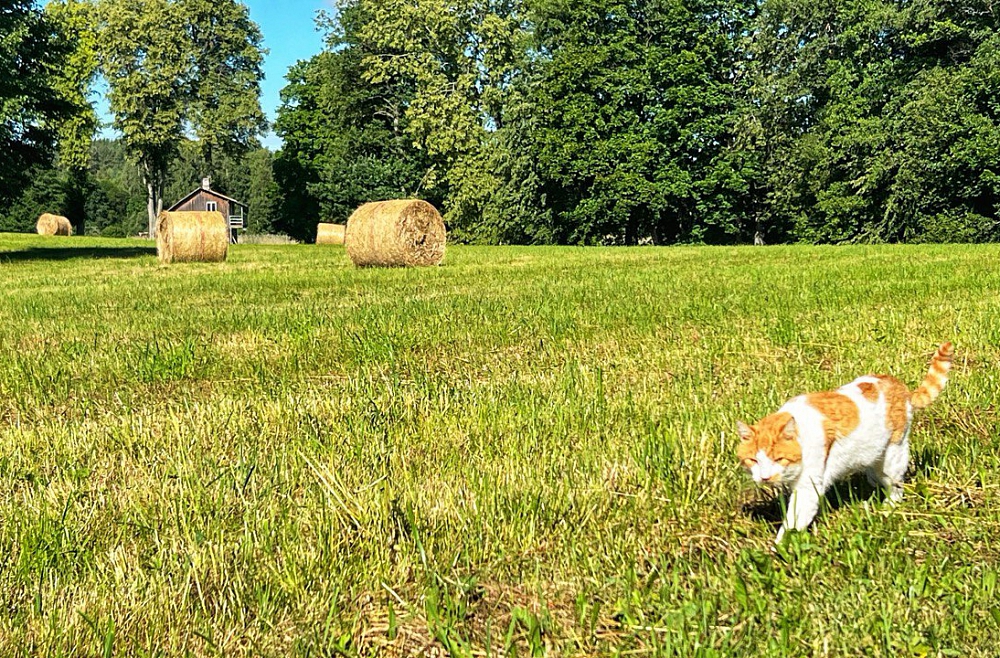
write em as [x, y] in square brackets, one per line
[68, 253]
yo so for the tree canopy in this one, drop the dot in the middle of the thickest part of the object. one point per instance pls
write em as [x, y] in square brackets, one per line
[32, 105]
[344, 142]
[620, 121]
[881, 119]
[528, 121]
[175, 65]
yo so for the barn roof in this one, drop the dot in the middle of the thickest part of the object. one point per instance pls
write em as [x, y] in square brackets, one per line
[206, 190]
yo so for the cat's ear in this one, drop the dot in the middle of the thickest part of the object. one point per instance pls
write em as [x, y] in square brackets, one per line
[791, 430]
[744, 430]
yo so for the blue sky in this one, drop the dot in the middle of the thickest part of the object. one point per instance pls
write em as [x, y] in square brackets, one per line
[290, 34]
[289, 29]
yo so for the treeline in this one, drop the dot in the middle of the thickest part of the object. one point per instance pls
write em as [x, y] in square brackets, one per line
[610, 121]
[182, 81]
[550, 121]
[109, 198]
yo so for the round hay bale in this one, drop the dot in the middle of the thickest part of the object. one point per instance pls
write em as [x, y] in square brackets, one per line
[49, 224]
[398, 233]
[191, 237]
[330, 233]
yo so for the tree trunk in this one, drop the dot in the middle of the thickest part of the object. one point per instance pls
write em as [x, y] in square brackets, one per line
[77, 199]
[631, 230]
[151, 210]
[154, 196]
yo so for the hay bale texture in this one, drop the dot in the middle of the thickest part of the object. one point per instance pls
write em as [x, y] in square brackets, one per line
[53, 225]
[192, 237]
[330, 233]
[398, 233]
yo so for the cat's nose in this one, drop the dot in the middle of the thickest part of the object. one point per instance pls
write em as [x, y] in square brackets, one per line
[769, 478]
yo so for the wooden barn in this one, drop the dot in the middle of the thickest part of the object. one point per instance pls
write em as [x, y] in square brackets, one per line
[205, 198]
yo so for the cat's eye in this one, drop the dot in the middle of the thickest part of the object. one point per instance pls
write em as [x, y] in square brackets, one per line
[749, 462]
[784, 462]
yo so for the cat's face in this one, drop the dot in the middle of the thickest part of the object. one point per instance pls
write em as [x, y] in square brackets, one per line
[770, 450]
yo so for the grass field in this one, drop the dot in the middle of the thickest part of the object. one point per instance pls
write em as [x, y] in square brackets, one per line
[527, 450]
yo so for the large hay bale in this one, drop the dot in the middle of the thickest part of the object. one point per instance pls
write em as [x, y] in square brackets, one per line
[330, 233]
[53, 225]
[191, 236]
[398, 233]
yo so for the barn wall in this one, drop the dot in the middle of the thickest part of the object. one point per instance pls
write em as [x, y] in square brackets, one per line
[198, 201]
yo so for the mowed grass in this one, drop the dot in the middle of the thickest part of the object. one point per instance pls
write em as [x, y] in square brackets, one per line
[524, 451]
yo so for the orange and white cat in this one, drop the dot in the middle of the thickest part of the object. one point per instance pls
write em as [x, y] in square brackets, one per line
[814, 440]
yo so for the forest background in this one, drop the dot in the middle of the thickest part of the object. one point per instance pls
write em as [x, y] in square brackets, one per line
[524, 121]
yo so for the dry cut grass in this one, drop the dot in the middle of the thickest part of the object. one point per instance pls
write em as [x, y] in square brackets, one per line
[526, 451]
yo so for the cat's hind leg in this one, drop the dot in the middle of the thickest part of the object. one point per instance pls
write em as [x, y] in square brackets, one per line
[877, 478]
[894, 466]
[874, 475]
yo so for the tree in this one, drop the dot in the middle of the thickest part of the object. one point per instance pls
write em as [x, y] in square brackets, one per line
[146, 65]
[345, 141]
[31, 52]
[74, 81]
[260, 191]
[225, 85]
[628, 113]
[458, 60]
[880, 119]
[160, 59]
[46, 192]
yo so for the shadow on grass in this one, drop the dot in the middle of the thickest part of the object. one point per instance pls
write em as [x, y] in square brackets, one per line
[765, 507]
[770, 506]
[66, 253]
[853, 490]
[925, 460]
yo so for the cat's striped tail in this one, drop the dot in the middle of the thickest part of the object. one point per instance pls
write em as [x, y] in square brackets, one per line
[936, 378]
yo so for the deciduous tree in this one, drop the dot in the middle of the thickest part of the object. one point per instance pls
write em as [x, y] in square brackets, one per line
[629, 111]
[31, 105]
[160, 59]
[880, 119]
[346, 141]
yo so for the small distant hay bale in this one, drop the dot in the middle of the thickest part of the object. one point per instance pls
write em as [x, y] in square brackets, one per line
[192, 237]
[53, 225]
[398, 233]
[330, 233]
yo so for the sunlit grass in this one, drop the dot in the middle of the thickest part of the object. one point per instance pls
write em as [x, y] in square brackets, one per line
[526, 449]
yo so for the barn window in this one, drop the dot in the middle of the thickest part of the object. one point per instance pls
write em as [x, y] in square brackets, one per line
[211, 206]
